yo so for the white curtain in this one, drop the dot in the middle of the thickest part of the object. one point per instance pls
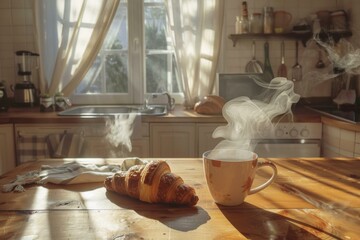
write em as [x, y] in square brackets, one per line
[69, 35]
[196, 29]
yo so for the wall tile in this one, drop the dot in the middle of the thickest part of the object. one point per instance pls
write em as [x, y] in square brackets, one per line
[347, 140]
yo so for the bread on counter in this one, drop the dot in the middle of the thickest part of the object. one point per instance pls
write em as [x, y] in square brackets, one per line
[210, 105]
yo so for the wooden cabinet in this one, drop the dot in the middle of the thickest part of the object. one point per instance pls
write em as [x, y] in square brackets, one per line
[173, 140]
[7, 149]
[181, 139]
[205, 140]
[95, 139]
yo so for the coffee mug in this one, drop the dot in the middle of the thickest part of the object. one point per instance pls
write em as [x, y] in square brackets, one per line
[230, 173]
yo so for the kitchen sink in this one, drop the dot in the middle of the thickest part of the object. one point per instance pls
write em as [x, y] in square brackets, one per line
[106, 110]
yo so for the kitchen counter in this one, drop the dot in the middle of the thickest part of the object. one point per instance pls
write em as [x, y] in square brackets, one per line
[312, 198]
[179, 114]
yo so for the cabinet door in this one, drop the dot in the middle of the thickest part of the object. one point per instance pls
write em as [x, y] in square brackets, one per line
[7, 149]
[173, 140]
[206, 141]
[96, 144]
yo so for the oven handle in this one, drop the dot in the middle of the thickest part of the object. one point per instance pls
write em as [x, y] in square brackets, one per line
[287, 141]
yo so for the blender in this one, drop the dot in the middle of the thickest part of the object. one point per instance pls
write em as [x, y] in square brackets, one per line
[25, 94]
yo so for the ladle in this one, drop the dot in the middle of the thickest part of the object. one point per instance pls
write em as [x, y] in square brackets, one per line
[297, 69]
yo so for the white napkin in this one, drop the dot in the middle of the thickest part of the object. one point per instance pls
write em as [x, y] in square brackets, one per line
[69, 173]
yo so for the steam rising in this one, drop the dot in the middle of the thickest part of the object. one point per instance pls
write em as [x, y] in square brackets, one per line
[120, 129]
[341, 56]
[249, 118]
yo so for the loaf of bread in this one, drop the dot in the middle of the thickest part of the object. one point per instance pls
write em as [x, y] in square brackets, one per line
[210, 105]
[153, 183]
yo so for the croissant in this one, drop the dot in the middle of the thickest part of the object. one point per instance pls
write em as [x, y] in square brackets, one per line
[153, 183]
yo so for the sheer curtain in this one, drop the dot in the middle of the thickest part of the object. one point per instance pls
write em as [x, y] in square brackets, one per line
[195, 28]
[69, 36]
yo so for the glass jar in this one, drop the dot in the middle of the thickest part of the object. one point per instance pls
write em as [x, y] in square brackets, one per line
[61, 102]
[256, 23]
[268, 20]
[46, 104]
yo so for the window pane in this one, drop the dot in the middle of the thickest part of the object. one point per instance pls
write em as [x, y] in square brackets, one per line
[116, 69]
[160, 71]
[109, 73]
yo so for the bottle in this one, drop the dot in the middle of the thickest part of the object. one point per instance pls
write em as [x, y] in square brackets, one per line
[244, 18]
[268, 20]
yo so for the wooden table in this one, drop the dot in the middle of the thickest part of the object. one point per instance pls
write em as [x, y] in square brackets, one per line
[311, 199]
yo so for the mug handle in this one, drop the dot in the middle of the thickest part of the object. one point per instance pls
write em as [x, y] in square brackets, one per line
[268, 182]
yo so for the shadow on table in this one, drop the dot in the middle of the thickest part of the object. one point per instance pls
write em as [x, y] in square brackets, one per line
[181, 218]
[257, 223]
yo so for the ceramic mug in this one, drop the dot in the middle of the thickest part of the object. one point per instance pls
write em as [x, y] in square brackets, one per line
[230, 173]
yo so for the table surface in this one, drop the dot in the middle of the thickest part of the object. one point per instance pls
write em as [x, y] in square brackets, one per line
[313, 198]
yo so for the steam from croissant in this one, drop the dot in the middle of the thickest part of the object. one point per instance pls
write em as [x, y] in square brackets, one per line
[153, 183]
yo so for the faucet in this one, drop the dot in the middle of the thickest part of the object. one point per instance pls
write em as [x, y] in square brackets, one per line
[170, 101]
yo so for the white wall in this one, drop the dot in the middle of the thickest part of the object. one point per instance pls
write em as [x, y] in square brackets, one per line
[234, 59]
[16, 33]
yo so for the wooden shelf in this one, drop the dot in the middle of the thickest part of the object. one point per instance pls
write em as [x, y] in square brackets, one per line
[303, 37]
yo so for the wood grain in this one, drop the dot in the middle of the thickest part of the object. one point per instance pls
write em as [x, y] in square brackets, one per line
[311, 199]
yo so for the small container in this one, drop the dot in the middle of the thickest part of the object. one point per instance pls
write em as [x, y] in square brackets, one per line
[46, 104]
[256, 21]
[244, 18]
[268, 20]
[61, 102]
[244, 25]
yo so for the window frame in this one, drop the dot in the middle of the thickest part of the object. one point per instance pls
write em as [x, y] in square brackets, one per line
[136, 60]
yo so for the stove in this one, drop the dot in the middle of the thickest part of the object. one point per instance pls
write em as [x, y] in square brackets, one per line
[349, 114]
[291, 139]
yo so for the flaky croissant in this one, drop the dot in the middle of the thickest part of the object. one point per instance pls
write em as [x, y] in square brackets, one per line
[153, 183]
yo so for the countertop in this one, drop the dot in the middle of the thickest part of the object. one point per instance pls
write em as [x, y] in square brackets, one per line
[179, 114]
[312, 198]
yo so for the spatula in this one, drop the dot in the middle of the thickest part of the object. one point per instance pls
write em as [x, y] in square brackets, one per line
[282, 70]
[297, 69]
[268, 73]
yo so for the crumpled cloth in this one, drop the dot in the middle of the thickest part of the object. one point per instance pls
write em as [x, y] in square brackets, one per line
[69, 173]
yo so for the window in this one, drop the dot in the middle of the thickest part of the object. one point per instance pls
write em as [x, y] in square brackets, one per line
[136, 59]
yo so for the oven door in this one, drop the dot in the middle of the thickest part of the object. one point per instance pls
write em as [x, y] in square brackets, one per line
[283, 148]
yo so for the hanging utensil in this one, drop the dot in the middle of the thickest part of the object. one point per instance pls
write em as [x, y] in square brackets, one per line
[268, 73]
[254, 66]
[282, 71]
[320, 63]
[297, 69]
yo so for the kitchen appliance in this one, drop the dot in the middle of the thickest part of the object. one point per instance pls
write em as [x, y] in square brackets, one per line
[4, 103]
[25, 93]
[232, 85]
[291, 139]
[348, 113]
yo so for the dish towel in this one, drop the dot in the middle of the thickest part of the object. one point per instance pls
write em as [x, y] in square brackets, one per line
[69, 173]
[31, 148]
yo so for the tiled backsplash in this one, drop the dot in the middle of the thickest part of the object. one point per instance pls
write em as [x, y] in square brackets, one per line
[234, 59]
[17, 33]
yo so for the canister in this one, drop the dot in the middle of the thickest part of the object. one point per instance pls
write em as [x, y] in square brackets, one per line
[268, 20]
[256, 21]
